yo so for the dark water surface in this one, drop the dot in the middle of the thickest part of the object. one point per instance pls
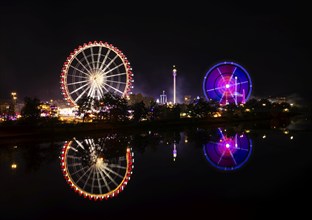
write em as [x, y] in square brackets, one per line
[234, 172]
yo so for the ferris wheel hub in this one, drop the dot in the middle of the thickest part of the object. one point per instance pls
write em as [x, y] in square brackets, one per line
[97, 79]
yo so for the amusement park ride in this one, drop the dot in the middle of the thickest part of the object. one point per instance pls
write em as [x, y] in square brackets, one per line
[227, 82]
[96, 68]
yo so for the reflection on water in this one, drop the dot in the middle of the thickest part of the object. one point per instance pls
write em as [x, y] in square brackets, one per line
[226, 152]
[175, 169]
[94, 168]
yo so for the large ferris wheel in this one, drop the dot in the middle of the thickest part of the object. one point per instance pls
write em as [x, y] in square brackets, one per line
[93, 70]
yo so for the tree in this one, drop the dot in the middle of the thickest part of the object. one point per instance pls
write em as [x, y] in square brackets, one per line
[117, 107]
[139, 111]
[86, 104]
[31, 108]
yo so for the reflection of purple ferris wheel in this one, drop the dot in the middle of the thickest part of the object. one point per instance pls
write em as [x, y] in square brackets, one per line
[227, 82]
[228, 153]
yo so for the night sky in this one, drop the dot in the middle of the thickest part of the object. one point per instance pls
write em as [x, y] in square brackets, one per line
[271, 41]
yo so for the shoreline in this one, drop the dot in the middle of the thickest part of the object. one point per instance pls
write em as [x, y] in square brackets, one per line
[16, 133]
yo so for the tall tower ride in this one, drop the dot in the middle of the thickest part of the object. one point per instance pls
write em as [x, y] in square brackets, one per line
[174, 73]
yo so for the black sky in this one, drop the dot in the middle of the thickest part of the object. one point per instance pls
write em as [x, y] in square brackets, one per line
[270, 40]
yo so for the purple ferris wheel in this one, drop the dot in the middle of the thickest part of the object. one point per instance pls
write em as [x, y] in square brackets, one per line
[227, 82]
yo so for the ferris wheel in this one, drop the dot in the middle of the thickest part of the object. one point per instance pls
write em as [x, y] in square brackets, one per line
[226, 83]
[93, 70]
[93, 170]
[228, 152]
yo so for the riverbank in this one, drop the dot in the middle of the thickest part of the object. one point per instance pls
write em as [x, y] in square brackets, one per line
[49, 131]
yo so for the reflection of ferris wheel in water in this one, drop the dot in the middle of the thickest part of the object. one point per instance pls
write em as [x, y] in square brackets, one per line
[228, 153]
[226, 83]
[93, 171]
[94, 69]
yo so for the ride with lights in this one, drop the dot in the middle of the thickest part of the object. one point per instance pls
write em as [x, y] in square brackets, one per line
[226, 83]
[93, 70]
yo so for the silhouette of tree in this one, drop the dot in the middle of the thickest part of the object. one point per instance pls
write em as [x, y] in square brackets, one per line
[139, 111]
[31, 109]
[86, 105]
[116, 106]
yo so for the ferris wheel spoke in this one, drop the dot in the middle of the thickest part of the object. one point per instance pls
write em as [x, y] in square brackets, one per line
[222, 97]
[117, 90]
[72, 148]
[217, 88]
[73, 157]
[105, 73]
[77, 171]
[212, 142]
[74, 83]
[235, 141]
[110, 63]
[221, 74]
[75, 68]
[221, 157]
[99, 181]
[221, 133]
[82, 65]
[89, 142]
[98, 58]
[91, 91]
[88, 63]
[81, 94]
[87, 180]
[112, 171]
[241, 83]
[93, 178]
[78, 76]
[232, 74]
[105, 58]
[105, 181]
[74, 164]
[79, 88]
[113, 81]
[79, 143]
[117, 166]
[92, 57]
[109, 176]
[243, 149]
[231, 77]
[103, 86]
[233, 157]
[119, 74]
[100, 92]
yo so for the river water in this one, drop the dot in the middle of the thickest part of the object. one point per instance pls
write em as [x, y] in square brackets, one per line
[233, 172]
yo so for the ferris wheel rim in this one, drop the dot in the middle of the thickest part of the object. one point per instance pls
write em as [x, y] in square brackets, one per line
[215, 66]
[118, 54]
